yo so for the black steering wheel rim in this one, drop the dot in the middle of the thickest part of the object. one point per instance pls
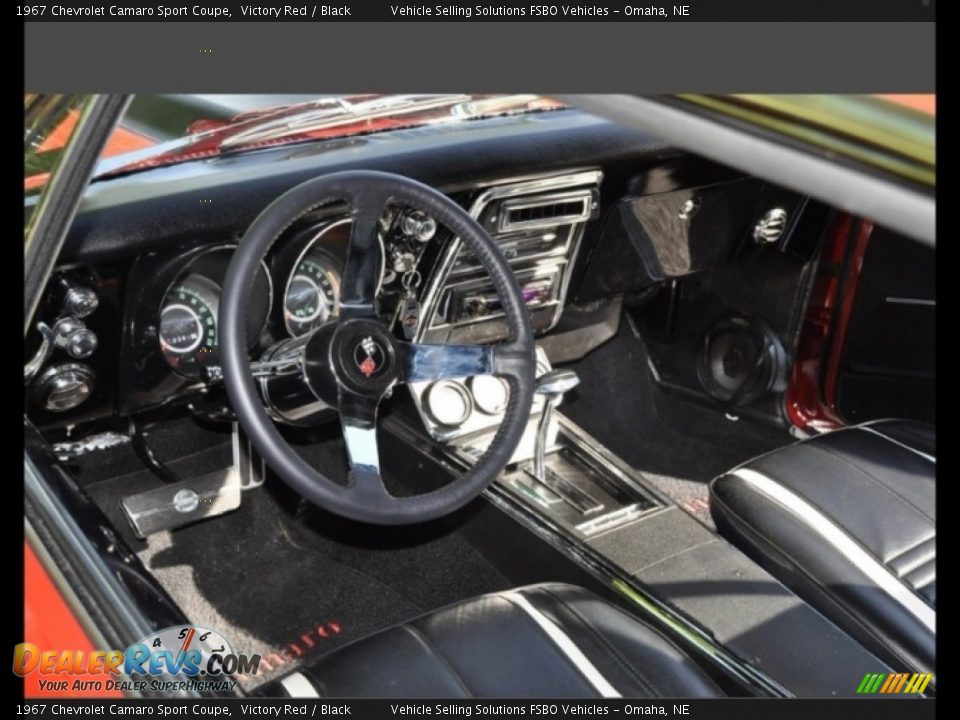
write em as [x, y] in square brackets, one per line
[367, 192]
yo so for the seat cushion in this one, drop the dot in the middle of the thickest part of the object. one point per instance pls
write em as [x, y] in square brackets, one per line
[848, 521]
[551, 640]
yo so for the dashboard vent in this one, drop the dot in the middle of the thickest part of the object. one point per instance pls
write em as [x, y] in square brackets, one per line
[545, 211]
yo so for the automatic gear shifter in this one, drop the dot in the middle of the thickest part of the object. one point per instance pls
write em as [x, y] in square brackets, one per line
[552, 386]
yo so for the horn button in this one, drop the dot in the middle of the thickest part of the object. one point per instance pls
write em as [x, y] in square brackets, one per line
[362, 355]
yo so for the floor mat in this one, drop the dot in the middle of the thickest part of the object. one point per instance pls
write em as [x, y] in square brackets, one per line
[679, 446]
[283, 579]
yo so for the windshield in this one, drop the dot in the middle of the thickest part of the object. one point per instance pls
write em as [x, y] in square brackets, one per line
[160, 130]
[48, 125]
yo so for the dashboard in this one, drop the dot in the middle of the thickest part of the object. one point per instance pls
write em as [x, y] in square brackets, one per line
[432, 290]
[585, 212]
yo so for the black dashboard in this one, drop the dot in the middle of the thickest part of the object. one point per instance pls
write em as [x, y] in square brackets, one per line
[583, 210]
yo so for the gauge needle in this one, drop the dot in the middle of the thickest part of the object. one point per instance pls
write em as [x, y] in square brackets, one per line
[187, 640]
[186, 645]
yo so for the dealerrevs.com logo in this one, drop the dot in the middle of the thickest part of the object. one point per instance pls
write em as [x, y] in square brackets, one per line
[176, 658]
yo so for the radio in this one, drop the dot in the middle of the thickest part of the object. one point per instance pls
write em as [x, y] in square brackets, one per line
[478, 300]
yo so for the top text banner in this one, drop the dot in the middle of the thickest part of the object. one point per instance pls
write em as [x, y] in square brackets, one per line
[514, 10]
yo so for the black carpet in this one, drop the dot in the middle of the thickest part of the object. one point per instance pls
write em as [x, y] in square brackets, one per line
[281, 578]
[677, 444]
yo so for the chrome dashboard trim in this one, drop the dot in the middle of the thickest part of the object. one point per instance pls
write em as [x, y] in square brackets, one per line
[505, 225]
[43, 353]
[498, 191]
[542, 268]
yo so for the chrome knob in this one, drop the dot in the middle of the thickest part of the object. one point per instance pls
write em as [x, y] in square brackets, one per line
[64, 328]
[557, 382]
[82, 344]
[80, 302]
[75, 337]
[404, 262]
[64, 387]
[418, 225]
[771, 226]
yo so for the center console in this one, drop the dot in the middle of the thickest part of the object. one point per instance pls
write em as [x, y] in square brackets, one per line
[538, 223]
[558, 469]
[609, 518]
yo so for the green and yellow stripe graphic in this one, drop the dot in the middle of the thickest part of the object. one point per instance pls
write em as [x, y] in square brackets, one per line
[894, 683]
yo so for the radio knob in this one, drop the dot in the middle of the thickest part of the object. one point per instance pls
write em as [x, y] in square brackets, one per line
[404, 262]
[475, 309]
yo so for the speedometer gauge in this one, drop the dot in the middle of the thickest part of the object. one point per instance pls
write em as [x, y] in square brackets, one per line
[313, 292]
[188, 324]
[187, 327]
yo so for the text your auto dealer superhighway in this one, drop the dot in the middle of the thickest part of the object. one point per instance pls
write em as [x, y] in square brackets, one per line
[159, 11]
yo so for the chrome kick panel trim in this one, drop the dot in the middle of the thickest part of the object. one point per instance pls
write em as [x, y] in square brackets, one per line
[178, 504]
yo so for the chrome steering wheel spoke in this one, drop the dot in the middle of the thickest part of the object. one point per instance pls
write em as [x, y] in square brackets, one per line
[358, 417]
[421, 362]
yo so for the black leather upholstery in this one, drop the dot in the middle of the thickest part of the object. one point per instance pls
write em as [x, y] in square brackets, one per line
[848, 520]
[495, 646]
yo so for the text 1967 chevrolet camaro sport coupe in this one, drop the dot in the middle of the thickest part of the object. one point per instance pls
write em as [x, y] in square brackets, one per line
[479, 396]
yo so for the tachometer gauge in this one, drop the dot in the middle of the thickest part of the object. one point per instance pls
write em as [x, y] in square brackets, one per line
[313, 292]
[188, 324]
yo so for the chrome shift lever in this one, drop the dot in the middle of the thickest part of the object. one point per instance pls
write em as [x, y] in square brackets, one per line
[552, 386]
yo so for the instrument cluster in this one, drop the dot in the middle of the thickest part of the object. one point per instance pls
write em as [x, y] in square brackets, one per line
[296, 291]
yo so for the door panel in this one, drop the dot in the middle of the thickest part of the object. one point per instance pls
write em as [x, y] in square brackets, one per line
[887, 366]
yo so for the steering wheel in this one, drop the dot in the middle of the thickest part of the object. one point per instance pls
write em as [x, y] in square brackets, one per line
[354, 360]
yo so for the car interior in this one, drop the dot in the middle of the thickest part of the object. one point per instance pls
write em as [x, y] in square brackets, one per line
[534, 405]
